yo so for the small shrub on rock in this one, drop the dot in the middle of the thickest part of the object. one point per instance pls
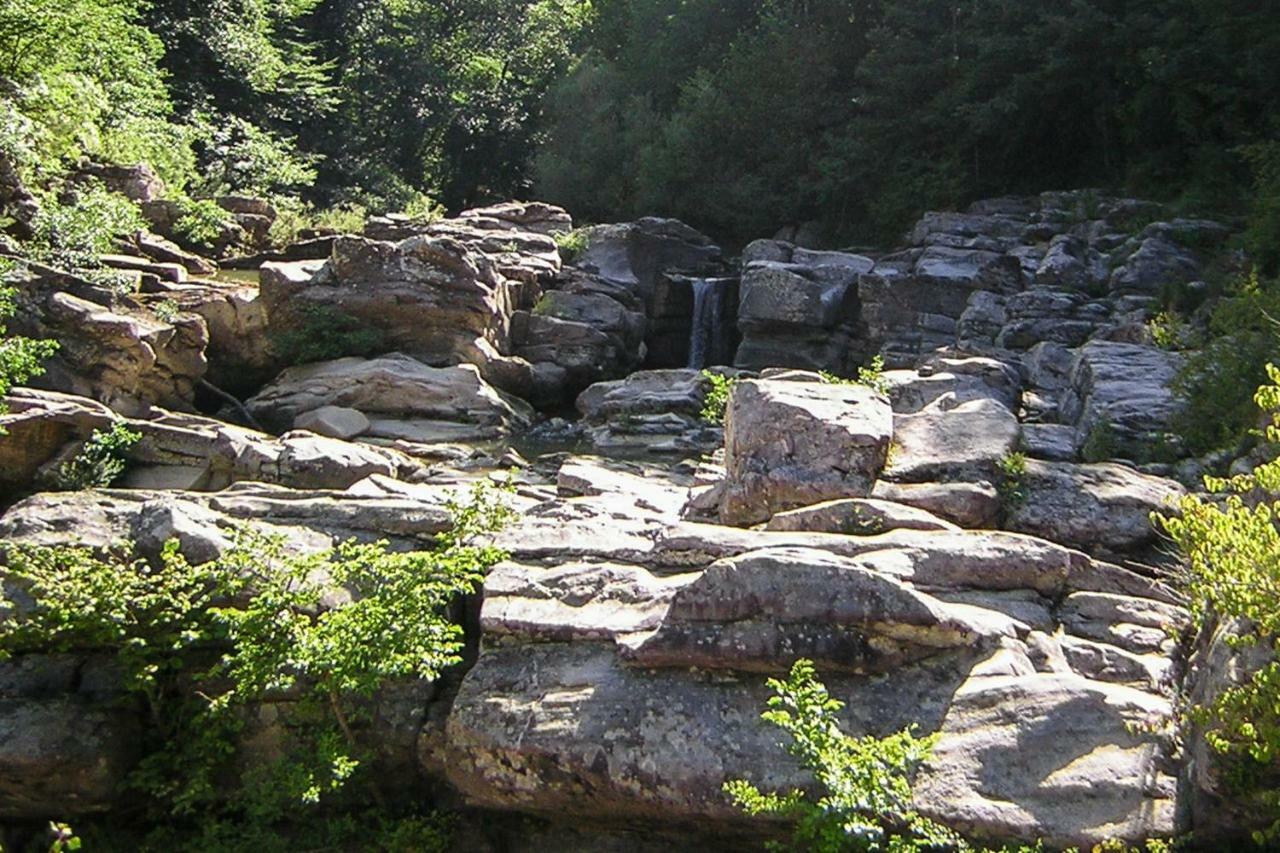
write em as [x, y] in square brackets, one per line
[717, 400]
[1232, 547]
[865, 782]
[101, 461]
[19, 357]
[324, 333]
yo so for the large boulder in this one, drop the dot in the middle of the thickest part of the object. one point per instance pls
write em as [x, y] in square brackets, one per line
[433, 298]
[799, 314]
[401, 397]
[790, 444]
[1125, 391]
[1094, 507]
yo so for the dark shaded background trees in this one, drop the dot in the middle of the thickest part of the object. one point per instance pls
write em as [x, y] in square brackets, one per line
[737, 115]
[862, 115]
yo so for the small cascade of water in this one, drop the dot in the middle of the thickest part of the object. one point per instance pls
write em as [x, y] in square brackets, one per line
[706, 334]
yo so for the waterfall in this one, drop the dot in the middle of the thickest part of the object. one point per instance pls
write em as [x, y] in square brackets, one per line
[706, 334]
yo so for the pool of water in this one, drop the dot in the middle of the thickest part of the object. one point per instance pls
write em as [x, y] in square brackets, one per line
[237, 276]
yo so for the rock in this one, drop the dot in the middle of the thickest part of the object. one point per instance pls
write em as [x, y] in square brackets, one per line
[112, 350]
[433, 298]
[908, 316]
[175, 272]
[533, 216]
[67, 737]
[402, 398]
[651, 409]
[969, 505]
[1052, 442]
[583, 702]
[585, 330]
[636, 254]
[763, 610]
[1040, 315]
[240, 352]
[976, 269]
[859, 517]
[1124, 389]
[955, 381]
[45, 425]
[965, 443]
[1071, 264]
[1156, 263]
[1082, 776]
[333, 422]
[137, 182]
[1103, 506]
[793, 444]
[165, 251]
[786, 313]
[575, 601]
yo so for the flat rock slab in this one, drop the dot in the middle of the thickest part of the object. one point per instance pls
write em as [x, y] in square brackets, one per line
[965, 443]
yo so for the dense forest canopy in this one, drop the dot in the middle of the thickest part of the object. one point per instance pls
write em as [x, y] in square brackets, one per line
[737, 115]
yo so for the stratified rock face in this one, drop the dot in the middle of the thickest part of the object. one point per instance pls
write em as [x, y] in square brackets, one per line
[630, 686]
[653, 410]
[402, 398]
[433, 297]
[181, 451]
[790, 444]
[110, 347]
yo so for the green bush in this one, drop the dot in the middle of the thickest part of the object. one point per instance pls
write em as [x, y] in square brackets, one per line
[101, 461]
[717, 399]
[202, 222]
[73, 235]
[324, 333]
[1217, 382]
[1101, 444]
[572, 244]
[865, 783]
[201, 645]
[1232, 547]
[19, 357]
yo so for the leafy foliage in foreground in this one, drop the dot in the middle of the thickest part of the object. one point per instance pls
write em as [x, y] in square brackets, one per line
[315, 635]
[866, 782]
[1233, 550]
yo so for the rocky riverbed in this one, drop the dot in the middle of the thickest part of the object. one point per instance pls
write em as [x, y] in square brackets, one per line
[662, 567]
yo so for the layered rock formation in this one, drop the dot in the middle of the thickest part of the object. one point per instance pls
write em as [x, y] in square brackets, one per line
[890, 531]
